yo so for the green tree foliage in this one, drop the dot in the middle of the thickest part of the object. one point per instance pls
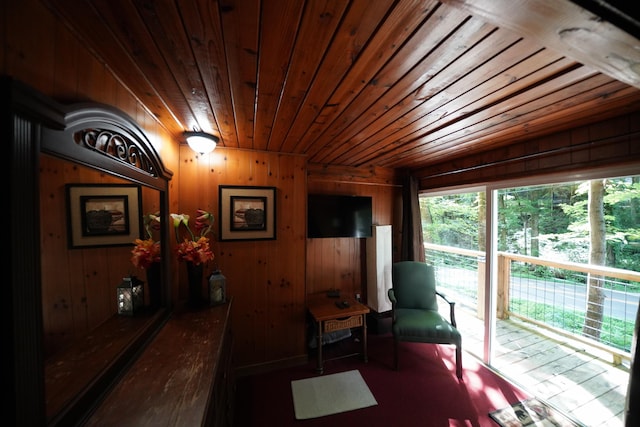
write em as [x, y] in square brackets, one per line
[546, 221]
[450, 220]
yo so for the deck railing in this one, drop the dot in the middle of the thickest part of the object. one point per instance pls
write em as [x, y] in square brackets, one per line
[550, 294]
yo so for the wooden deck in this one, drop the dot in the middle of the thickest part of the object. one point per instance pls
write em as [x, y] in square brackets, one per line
[566, 374]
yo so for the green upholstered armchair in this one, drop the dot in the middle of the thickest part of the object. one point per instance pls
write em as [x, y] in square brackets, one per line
[414, 309]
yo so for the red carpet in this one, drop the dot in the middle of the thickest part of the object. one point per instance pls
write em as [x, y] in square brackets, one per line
[424, 392]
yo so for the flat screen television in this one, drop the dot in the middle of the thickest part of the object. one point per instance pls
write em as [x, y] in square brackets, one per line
[330, 215]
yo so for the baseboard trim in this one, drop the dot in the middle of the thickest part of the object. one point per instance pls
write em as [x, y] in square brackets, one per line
[261, 368]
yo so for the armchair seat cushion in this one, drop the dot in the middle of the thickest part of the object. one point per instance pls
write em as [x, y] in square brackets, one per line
[424, 325]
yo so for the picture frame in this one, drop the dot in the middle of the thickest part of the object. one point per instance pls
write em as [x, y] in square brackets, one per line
[246, 212]
[100, 215]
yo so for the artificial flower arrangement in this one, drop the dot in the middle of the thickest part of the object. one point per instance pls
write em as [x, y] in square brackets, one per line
[147, 252]
[194, 248]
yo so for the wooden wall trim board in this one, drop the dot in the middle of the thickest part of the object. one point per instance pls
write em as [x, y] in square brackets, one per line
[274, 365]
[364, 175]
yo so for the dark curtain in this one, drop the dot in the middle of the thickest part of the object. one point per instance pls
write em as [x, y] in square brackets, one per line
[412, 248]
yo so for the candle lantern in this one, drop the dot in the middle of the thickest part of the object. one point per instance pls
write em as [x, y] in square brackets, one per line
[130, 294]
[217, 288]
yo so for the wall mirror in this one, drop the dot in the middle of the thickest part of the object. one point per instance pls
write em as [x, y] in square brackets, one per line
[69, 342]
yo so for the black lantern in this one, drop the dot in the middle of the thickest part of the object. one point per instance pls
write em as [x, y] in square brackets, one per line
[217, 288]
[130, 294]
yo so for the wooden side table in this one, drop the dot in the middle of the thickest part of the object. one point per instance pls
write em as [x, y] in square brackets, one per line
[329, 318]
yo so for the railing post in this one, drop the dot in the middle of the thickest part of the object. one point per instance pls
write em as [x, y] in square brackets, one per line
[481, 288]
[504, 278]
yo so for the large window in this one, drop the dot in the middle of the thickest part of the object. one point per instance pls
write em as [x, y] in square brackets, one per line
[549, 240]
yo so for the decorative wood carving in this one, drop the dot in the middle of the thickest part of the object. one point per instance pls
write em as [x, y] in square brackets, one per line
[117, 147]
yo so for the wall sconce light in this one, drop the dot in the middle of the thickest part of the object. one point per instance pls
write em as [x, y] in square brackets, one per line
[201, 142]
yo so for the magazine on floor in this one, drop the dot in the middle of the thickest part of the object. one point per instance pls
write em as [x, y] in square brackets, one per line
[531, 412]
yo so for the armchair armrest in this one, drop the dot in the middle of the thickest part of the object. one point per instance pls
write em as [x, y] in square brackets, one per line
[392, 297]
[452, 305]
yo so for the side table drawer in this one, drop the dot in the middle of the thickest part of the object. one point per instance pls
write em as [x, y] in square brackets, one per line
[339, 324]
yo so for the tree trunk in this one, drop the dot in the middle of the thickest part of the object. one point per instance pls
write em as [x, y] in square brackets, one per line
[597, 256]
[534, 221]
[482, 218]
[502, 228]
[534, 230]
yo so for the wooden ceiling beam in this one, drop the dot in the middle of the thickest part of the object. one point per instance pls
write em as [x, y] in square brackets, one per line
[576, 32]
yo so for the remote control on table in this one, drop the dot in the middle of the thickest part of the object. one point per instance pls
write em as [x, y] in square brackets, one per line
[342, 304]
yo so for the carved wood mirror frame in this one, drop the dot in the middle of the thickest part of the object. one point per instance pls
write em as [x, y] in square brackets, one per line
[35, 124]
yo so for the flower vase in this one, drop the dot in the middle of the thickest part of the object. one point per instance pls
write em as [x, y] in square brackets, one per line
[194, 277]
[154, 280]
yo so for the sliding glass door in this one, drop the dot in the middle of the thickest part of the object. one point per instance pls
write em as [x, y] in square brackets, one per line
[508, 252]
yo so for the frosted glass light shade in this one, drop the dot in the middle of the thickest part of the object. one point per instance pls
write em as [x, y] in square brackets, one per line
[201, 142]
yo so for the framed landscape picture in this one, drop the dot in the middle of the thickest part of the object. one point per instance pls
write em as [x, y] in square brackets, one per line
[101, 215]
[247, 213]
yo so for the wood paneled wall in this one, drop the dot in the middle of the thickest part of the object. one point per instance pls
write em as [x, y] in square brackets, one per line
[268, 280]
[339, 263]
[265, 278]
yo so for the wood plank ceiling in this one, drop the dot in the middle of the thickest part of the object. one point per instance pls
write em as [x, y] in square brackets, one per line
[384, 83]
